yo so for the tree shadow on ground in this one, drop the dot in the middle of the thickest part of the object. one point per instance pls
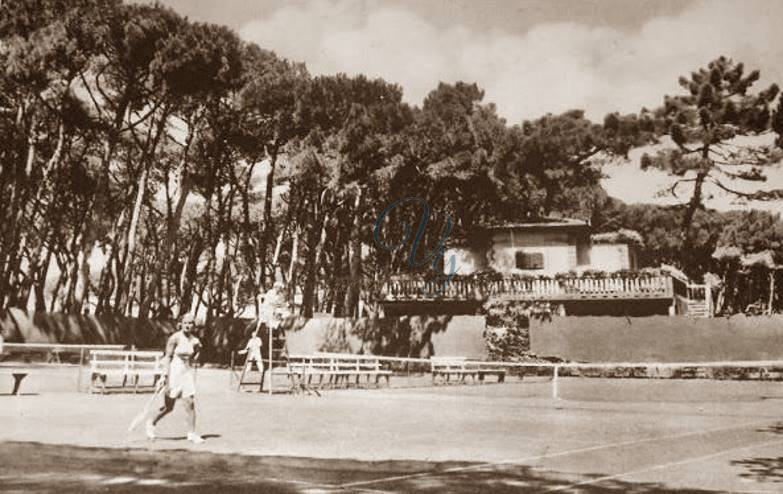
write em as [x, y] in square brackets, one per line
[39, 467]
[762, 469]
[525, 479]
[773, 429]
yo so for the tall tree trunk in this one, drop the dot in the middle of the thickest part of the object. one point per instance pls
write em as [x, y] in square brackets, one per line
[355, 259]
[313, 266]
[165, 259]
[267, 231]
[84, 272]
[694, 203]
[292, 267]
[128, 264]
[40, 285]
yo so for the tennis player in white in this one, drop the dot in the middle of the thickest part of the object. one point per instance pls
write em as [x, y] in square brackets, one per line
[253, 351]
[181, 352]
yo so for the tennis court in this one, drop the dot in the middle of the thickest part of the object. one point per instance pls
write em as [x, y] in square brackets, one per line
[602, 435]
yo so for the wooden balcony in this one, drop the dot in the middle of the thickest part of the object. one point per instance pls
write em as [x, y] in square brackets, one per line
[466, 289]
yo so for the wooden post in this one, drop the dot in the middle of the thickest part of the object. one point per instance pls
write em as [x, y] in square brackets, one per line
[79, 373]
[771, 290]
[231, 371]
[271, 338]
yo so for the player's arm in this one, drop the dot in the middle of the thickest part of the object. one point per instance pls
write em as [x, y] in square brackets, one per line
[196, 349]
[171, 345]
[247, 347]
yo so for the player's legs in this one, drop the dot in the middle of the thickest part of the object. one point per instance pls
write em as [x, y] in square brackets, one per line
[190, 409]
[188, 383]
[260, 366]
[168, 406]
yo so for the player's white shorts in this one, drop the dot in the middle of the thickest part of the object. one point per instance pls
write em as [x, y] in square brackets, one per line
[182, 379]
[254, 359]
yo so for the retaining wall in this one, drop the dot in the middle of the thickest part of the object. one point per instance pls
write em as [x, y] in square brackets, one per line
[659, 338]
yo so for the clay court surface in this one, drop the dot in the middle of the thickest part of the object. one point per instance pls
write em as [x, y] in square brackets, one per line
[630, 435]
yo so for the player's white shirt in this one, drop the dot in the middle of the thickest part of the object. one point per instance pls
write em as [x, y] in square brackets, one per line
[274, 307]
[182, 379]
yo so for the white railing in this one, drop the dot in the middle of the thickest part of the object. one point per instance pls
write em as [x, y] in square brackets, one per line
[658, 286]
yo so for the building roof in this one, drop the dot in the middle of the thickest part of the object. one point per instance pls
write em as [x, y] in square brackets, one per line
[542, 223]
[622, 236]
[765, 257]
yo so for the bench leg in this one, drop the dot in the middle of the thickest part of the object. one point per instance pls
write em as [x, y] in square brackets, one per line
[17, 381]
[502, 377]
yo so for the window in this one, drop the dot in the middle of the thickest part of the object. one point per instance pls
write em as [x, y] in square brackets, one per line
[529, 260]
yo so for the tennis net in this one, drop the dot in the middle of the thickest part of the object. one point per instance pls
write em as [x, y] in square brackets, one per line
[605, 381]
[651, 381]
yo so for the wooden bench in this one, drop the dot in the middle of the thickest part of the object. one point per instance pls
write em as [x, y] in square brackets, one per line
[333, 370]
[129, 365]
[302, 369]
[461, 368]
[348, 366]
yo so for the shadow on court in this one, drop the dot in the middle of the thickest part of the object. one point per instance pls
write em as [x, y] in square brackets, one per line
[183, 438]
[45, 468]
[762, 469]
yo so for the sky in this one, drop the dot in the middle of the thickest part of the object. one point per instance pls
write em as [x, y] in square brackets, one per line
[530, 57]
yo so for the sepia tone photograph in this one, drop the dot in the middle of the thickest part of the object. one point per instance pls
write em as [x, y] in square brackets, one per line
[391, 246]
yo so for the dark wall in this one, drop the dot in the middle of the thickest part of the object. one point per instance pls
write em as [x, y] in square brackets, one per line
[633, 308]
[659, 338]
[18, 326]
[590, 339]
[414, 336]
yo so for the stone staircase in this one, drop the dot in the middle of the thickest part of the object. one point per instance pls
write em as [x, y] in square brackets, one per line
[697, 308]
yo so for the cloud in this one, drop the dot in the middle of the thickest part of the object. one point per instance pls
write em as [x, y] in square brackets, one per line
[551, 67]
[627, 182]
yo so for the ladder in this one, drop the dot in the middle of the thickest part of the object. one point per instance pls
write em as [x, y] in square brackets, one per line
[276, 341]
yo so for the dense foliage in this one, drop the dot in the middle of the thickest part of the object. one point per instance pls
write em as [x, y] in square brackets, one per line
[151, 165]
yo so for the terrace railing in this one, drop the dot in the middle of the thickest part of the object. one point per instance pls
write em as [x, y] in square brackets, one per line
[466, 289]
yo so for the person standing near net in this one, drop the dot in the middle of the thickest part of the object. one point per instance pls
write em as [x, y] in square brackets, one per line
[253, 351]
[182, 351]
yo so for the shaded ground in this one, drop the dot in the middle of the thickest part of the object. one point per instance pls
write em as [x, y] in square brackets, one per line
[33, 467]
[638, 436]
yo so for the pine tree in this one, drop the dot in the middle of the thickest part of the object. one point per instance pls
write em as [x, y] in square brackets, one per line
[704, 125]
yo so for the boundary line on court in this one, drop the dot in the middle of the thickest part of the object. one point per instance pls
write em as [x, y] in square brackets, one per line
[549, 455]
[665, 465]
